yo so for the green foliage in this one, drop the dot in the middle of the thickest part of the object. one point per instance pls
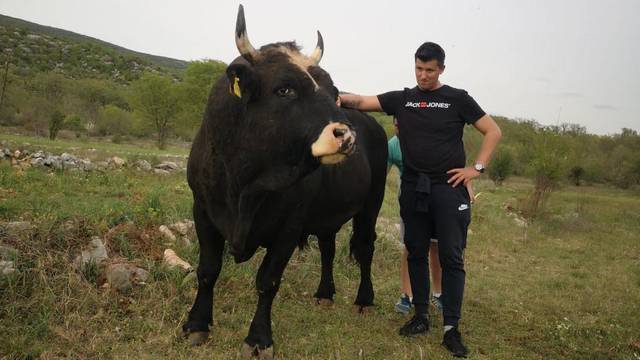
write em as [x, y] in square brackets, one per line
[55, 124]
[114, 121]
[386, 122]
[576, 174]
[74, 123]
[546, 167]
[501, 167]
[156, 98]
[193, 93]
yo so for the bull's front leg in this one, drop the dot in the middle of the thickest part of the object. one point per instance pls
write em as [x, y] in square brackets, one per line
[326, 287]
[211, 247]
[259, 342]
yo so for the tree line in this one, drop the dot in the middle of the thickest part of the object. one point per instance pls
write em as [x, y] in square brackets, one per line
[165, 107]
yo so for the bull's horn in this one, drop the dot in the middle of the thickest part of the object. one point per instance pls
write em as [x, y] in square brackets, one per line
[316, 55]
[242, 39]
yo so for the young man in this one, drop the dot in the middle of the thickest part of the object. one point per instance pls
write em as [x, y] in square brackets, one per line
[431, 118]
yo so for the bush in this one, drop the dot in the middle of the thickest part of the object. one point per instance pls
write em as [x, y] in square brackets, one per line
[55, 124]
[114, 121]
[501, 167]
[74, 123]
[546, 167]
[575, 174]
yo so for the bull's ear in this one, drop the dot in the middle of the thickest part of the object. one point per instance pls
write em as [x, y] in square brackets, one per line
[242, 80]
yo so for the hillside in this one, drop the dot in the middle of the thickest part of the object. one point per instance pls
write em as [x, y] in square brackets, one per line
[36, 48]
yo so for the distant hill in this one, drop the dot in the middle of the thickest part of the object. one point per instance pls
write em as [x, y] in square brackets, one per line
[34, 48]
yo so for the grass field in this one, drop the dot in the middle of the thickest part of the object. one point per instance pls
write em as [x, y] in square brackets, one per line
[566, 287]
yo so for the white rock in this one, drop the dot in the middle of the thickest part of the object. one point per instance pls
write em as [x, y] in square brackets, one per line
[520, 222]
[180, 227]
[173, 260]
[96, 252]
[164, 230]
[67, 157]
[167, 165]
[118, 162]
[143, 165]
[161, 172]
[123, 276]
[6, 267]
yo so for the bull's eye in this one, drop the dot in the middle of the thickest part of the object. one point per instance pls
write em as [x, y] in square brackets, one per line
[285, 91]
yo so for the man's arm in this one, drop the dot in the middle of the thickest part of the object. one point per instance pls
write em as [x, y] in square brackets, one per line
[359, 102]
[492, 134]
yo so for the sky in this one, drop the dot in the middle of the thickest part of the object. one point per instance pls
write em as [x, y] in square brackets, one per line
[552, 61]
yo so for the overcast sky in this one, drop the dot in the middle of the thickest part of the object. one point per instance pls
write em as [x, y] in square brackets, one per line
[552, 61]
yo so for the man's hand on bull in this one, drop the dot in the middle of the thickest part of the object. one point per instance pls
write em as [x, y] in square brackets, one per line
[335, 138]
[462, 175]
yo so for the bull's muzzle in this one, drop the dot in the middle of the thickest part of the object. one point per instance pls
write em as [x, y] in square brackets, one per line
[335, 143]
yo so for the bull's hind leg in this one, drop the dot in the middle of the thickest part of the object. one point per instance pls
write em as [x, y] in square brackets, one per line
[211, 247]
[326, 288]
[362, 246]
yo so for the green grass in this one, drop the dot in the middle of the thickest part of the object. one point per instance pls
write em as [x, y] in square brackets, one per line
[568, 288]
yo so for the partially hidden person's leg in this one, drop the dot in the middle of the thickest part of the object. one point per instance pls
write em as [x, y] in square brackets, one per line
[403, 305]
[436, 275]
[404, 275]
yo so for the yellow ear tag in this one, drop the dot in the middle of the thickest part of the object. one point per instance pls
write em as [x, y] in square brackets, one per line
[236, 87]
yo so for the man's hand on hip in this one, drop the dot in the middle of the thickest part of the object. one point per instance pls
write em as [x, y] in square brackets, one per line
[462, 175]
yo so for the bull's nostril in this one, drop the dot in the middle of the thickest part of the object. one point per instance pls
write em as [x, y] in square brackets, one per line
[339, 132]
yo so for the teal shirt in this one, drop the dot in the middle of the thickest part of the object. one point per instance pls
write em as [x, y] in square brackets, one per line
[395, 154]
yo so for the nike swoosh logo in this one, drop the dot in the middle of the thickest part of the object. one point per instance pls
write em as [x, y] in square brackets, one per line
[463, 207]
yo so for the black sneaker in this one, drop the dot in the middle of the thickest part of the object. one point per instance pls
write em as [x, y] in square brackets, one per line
[453, 342]
[419, 324]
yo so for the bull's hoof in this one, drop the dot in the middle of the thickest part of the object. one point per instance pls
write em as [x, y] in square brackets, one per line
[363, 309]
[196, 337]
[248, 352]
[324, 302]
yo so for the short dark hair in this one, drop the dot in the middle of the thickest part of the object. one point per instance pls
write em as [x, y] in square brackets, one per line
[429, 51]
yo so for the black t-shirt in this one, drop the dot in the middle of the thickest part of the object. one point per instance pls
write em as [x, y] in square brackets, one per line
[430, 125]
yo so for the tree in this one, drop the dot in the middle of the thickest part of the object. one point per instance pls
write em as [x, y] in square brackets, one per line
[546, 167]
[194, 91]
[155, 98]
[501, 167]
[114, 121]
[56, 122]
[575, 174]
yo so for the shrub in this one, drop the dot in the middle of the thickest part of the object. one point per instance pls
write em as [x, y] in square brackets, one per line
[575, 174]
[55, 124]
[501, 167]
[113, 121]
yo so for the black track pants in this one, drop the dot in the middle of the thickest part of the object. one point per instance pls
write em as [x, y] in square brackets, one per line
[447, 213]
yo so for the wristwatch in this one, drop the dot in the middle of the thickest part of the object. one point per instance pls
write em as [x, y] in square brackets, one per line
[479, 167]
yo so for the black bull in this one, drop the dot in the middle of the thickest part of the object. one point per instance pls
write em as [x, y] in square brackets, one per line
[256, 181]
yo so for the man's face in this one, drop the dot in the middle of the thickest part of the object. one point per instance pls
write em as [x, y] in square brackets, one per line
[427, 74]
